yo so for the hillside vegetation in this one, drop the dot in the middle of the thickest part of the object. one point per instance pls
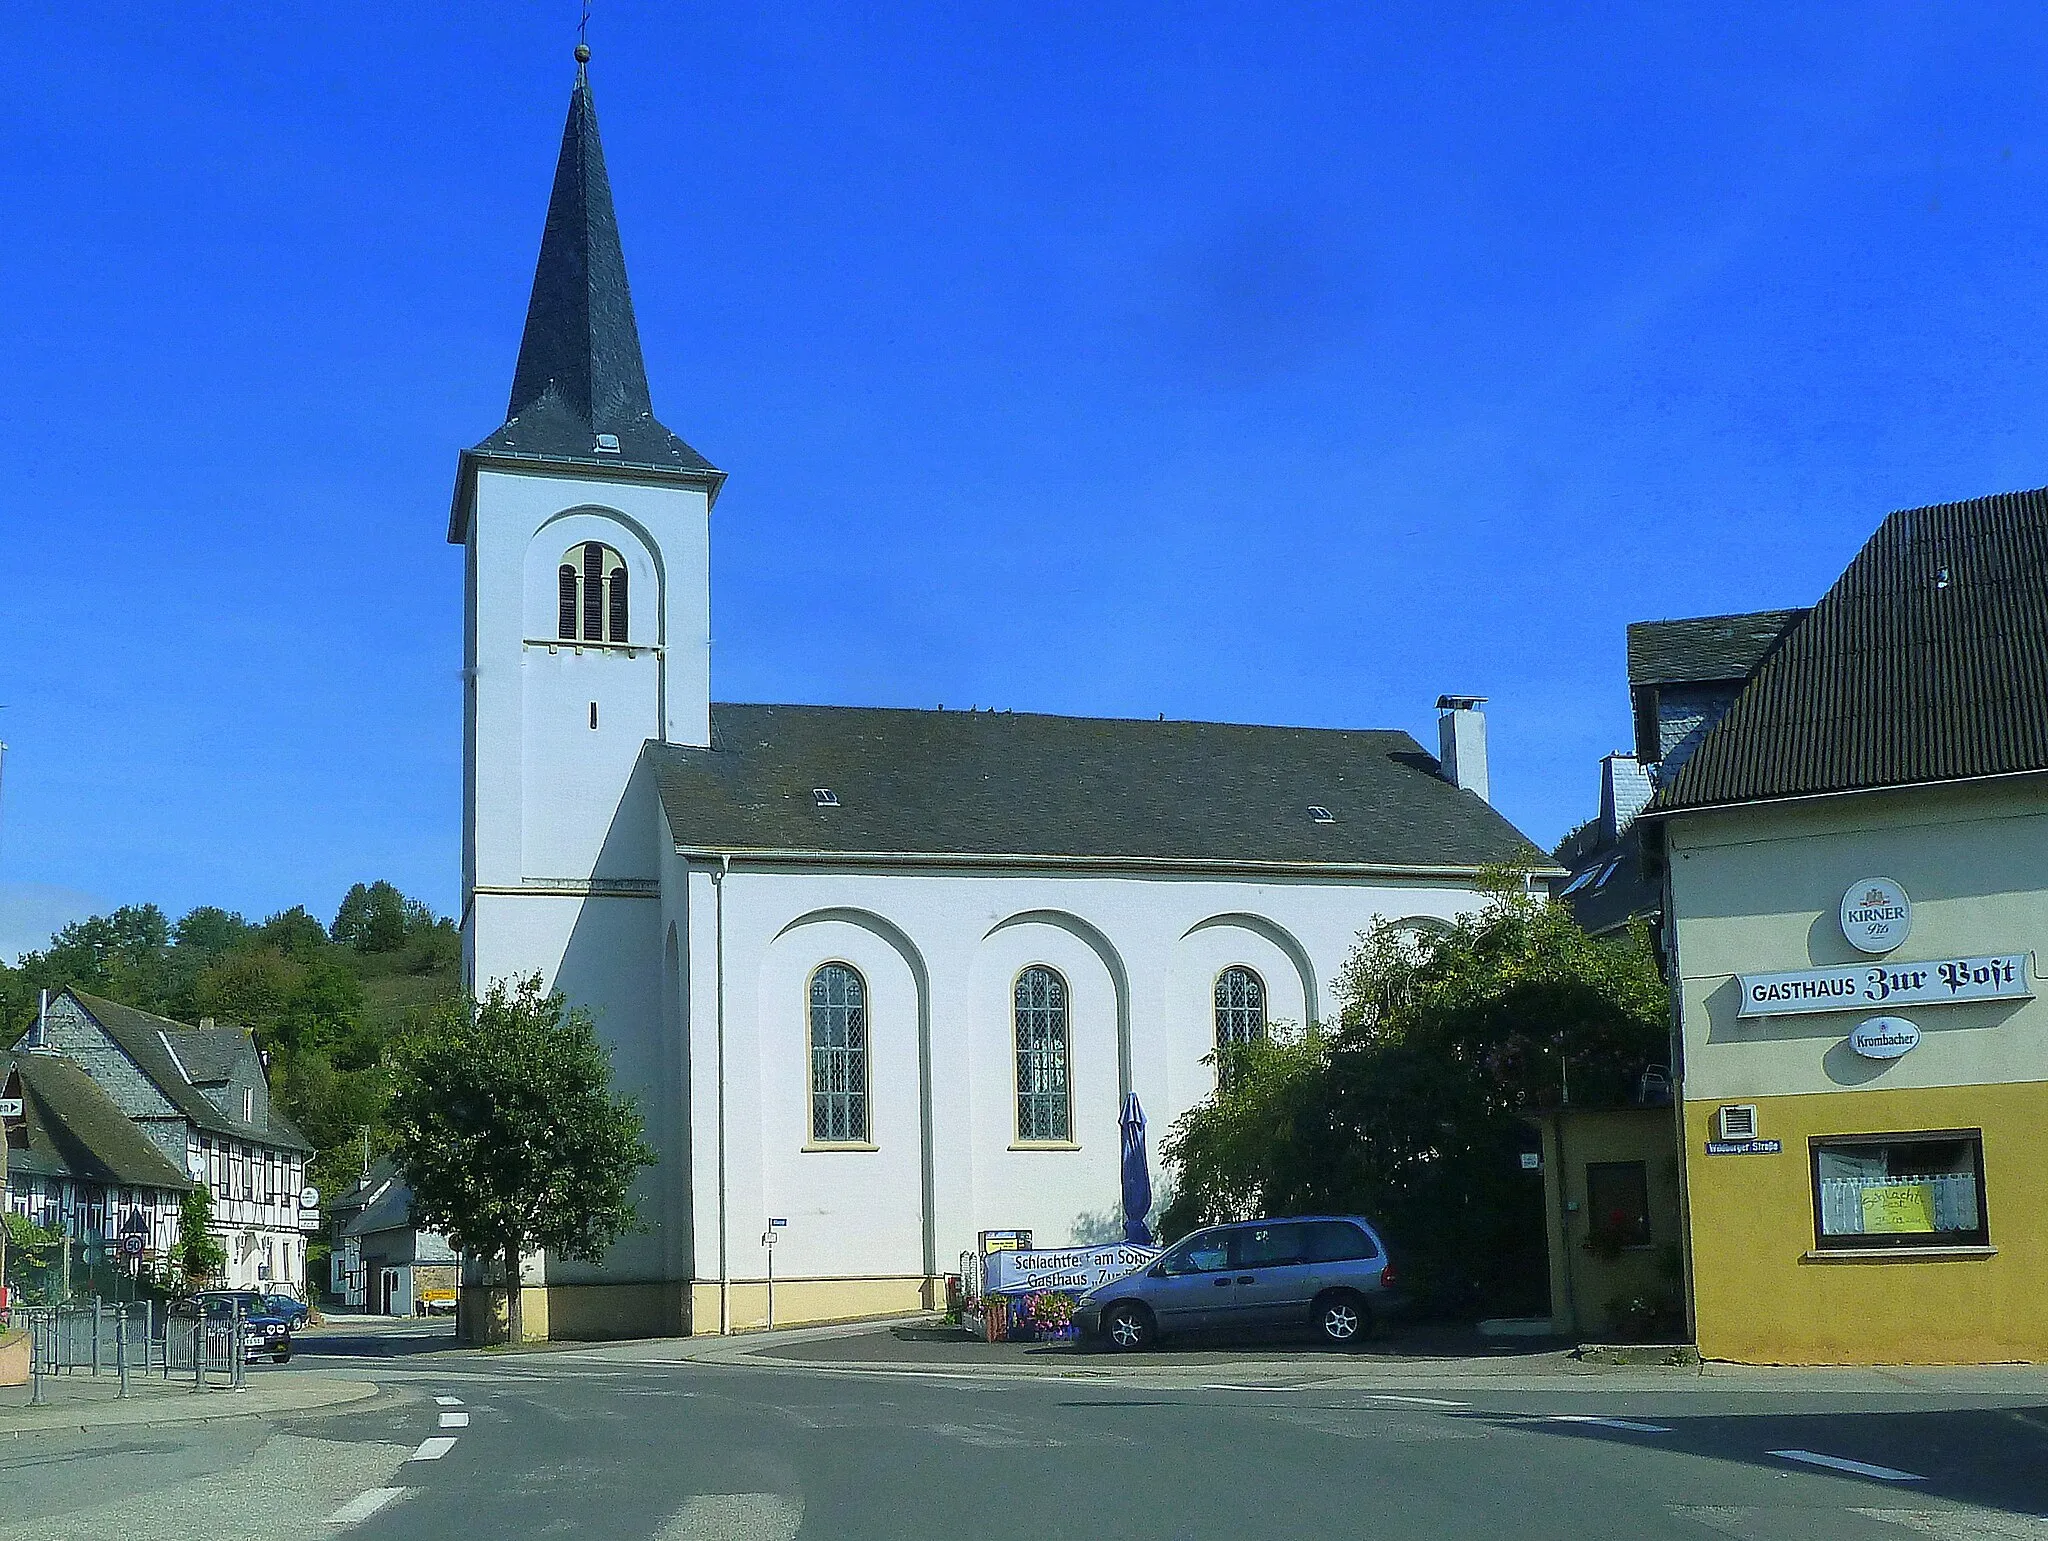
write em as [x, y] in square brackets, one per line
[324, 1001]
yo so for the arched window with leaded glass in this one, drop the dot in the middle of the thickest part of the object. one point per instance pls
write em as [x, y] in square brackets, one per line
[839, 1056]
[1044, 1090]
[1240, 1007]
[593, 595]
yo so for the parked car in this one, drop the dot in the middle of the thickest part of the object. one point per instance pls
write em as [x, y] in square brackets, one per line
[1329, 1272]
[295, 1312]
[263, 1330]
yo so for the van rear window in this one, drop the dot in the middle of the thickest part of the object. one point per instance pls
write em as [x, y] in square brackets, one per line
[1338, 1241]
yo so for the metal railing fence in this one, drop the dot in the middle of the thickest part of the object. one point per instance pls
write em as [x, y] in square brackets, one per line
[129, 1339]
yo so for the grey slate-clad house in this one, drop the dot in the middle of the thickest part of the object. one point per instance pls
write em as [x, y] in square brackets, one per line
[77, 1165]
[1683, 676]
[393, 1266]
[200, 1096]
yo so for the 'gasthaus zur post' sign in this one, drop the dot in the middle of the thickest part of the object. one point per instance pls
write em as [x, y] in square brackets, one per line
[1857, 986]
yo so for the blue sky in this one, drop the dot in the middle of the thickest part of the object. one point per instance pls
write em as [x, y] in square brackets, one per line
[1278, 364]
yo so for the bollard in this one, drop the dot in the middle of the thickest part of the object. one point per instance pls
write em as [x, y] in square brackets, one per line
[35, 1362]
[121, 1350]
[95, 1335]
[238, 1352]
[199, 1354]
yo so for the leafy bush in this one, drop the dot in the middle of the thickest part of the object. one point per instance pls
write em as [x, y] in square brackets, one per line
[1406, 1108]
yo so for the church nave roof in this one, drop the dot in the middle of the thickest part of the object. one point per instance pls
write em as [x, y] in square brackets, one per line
[1010, 785]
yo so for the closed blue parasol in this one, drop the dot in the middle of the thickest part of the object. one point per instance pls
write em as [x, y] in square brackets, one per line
[1137, 1176]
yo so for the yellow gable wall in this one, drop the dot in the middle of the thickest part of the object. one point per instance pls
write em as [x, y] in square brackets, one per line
[1759, 890]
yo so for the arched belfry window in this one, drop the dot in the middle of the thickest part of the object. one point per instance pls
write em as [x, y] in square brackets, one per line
[1240, 1008]
[1044, 1090]
[839, 1056]
[593, 595]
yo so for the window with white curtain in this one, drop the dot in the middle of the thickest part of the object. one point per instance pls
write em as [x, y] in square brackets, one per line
[1900, 1190]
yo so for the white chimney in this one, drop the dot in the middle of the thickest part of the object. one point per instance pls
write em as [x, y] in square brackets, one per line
[1461, 736]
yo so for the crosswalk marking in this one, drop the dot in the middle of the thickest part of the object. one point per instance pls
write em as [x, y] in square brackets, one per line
[433, 1449]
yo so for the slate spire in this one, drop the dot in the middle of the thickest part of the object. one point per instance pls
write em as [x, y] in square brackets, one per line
[580, 389]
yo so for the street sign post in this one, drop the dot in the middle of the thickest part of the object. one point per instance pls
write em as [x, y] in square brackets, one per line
[775, 1224]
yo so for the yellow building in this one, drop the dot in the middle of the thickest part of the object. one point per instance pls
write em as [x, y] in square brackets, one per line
[1856, 868]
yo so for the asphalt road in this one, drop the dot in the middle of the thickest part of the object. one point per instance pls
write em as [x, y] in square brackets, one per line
[621, 1444]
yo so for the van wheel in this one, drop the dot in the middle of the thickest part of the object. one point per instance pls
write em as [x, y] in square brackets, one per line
[1128, 1327]
[1343, 1319]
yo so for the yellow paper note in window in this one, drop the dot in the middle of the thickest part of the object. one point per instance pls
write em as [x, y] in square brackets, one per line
[1902, 1207]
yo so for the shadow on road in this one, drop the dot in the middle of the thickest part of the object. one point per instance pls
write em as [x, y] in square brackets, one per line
[342, 1336]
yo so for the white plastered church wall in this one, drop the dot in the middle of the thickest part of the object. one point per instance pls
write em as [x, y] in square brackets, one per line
[940, 950]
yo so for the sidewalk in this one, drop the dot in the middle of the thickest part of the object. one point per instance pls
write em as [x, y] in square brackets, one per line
[83, 1401]
[915, 1346]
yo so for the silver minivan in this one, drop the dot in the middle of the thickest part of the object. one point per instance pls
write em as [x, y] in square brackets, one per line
[1328, 1271]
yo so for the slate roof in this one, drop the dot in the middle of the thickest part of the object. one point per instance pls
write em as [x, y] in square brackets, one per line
[1703, 648]
[1610, 886]
[205, 1052]
[1927, 661]
[389, 1209]
[580, 372]
[73, 1129]
[1003, 784]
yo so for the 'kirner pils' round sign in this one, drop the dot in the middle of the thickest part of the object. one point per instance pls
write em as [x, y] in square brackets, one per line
[1876, 915]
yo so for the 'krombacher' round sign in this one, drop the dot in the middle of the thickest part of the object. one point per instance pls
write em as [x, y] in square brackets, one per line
[1876, 915]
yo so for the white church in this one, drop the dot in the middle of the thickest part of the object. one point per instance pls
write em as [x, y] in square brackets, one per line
[884, 975]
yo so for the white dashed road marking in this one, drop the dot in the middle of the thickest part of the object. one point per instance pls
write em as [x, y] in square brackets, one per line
[433, 1449]
[735, 1517]
[1417, 1401]
[363, 1505]
[1854, 1468]
[449, 1401]
[455, 1420]
[1616, 1423]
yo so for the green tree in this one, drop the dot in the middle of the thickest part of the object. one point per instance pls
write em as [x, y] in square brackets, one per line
[198, 1253]
[376, 917]
[210, 931]
[508, 1133]
[1406, 1108]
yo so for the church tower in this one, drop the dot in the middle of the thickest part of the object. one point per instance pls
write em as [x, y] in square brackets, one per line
[586, 527]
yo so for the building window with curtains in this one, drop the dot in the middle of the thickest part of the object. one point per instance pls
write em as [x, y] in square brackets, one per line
[839, 1056]
[1044, 1107]
[1900, 1191]
[592, 595]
